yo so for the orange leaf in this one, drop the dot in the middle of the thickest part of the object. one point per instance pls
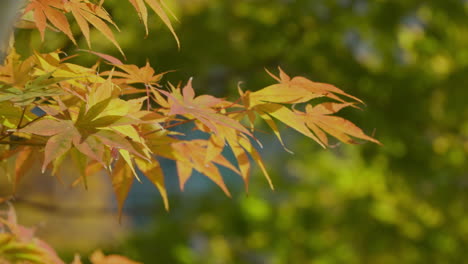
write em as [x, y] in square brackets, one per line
[57, 146]
[289, 118]
[46, 127]
[157, 8]
[87, 13]
[140, 7]
[51, 10]
[322, 89]
[122, 180]
[320, 117]
[153, 171]
[201, 107]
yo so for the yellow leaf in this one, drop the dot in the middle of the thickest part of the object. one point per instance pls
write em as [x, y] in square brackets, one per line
[157, 8]
[122, 181]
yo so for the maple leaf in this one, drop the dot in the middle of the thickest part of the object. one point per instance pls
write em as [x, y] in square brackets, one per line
[319, 119]
[86, 14]
[133, 74]
[202, 108]
[52, 11]
[41, 86]
[122, 180]
[306, 88]
[19, 245]
[177, 150]
[77, 77]
[15, 72]
[269, 103]
[242, 148]
[61, 133]
[157, 7]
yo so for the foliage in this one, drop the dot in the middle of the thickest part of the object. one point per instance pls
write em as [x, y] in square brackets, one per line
[123, 120]
[18, 244]
[404, 202]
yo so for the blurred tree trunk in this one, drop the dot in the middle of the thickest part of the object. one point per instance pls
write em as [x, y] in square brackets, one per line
[8, 14]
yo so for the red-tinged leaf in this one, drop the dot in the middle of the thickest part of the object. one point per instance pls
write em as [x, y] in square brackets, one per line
[114, 140]
[47, 127]
[319, 116]
[122, 180]
[57, 146]
[157, 8]
[186, 104]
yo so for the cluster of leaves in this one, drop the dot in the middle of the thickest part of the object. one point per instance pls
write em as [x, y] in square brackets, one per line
[18, 244]
[51, 14]
[120, 121]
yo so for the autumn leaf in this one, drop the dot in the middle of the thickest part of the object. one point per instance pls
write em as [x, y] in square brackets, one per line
[305, 86]
[153, 171]
[319, 119]
[59, 144]
[157, 7]
[52, 11]
[86, 14]
[270, 103]
[122, 180]
[133, 74]
[202, 108]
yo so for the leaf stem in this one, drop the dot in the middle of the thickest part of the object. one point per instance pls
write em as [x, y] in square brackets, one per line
[22, 117]
[169, 126]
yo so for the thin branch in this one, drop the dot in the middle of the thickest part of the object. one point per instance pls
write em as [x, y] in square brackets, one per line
[169, 126]
[22, 117]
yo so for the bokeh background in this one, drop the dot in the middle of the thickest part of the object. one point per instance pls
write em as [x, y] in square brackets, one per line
[403, 202]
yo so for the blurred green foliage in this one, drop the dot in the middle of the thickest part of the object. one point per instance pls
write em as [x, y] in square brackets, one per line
[406, 201]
